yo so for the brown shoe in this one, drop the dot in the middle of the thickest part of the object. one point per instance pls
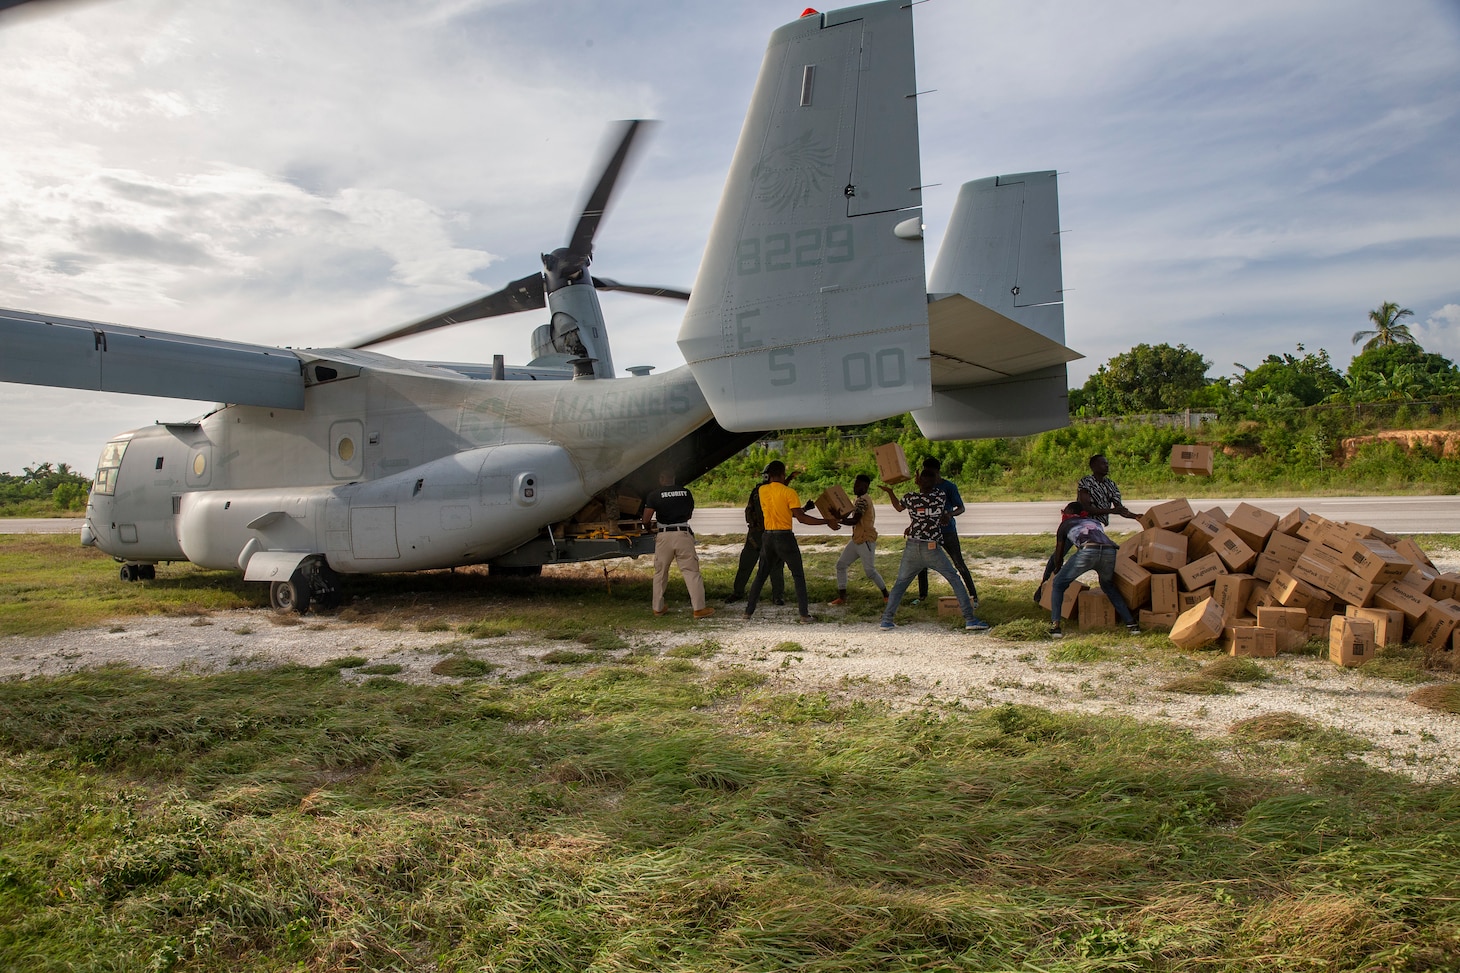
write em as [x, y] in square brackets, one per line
[705, 612]
[805, 620]
[660, 611]
[837, 601]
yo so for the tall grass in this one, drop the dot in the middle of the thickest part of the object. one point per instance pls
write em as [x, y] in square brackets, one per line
[653, 816]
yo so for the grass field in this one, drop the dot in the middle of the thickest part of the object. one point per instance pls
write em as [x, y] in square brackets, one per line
[657, 812]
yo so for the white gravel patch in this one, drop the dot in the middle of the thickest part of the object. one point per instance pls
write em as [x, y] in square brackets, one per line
[915, 665]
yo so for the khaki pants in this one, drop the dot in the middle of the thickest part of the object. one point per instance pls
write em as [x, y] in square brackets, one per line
[678, 547]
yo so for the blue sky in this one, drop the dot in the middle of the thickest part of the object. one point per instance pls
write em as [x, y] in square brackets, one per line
[1240, 177]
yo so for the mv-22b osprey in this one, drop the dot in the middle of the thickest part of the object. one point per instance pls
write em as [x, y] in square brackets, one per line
[811, 308]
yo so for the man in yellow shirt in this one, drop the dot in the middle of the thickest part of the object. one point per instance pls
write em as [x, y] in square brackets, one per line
[780, 505]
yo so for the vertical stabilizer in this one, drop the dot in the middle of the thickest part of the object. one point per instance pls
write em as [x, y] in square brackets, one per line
[810, 306]
[998, 320]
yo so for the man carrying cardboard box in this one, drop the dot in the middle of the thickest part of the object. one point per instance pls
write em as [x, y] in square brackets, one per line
[1093, 552]
[863, 544]
[780, 505]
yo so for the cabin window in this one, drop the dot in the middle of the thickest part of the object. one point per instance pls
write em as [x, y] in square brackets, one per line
[346, 448]
[200, 463]
[107, 467]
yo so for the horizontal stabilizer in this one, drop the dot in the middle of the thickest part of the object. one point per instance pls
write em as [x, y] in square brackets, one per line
[810, 305]
[972, 344]
[1017, 406]
[75, 354]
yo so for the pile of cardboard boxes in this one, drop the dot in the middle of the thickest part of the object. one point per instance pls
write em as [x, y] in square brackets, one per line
[1263, 583]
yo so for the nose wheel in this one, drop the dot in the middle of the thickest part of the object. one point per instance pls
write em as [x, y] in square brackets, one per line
[290, 596]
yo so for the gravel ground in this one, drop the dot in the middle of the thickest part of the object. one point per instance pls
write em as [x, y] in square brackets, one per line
[917, 664]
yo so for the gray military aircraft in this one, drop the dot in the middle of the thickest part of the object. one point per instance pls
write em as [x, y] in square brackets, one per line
[810, 308]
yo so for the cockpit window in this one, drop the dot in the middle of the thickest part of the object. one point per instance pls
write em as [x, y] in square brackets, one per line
[107, 467]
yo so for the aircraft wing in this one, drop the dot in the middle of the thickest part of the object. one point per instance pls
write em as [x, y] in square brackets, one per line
[70, 353]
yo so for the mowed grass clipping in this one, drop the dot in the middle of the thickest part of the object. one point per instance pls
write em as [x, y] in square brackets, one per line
[650, 814]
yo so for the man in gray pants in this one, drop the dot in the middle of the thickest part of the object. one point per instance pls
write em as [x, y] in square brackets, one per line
[863, 545]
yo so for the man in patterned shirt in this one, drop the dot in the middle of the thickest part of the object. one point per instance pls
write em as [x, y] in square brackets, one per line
[927, 512]
[862, 520]
[1099, 495]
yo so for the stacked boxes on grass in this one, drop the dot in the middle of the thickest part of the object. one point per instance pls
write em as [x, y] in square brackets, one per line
[1261, 583]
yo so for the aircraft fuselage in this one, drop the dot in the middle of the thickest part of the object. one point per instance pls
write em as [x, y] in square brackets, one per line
[389, 466]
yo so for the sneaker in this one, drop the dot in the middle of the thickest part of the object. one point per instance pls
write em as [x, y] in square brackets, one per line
[705, 612]
[747, 616]
[805, 620]
[780, 601]
[977, 625]
[887, 626]
[1055, 632]
[660, 611]
[1133, 628]
[886, 597]
[916, 601]
[837, 601]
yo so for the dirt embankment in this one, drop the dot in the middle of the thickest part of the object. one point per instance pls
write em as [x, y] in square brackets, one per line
[1441, 442]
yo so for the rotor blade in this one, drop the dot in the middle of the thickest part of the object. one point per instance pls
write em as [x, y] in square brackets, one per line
[673, 293]
[581, 242]
[525, 294]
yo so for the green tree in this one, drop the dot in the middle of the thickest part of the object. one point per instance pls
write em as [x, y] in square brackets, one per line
[1148, 378]
[1400, 372]
[1290, 380]
[1387, 330]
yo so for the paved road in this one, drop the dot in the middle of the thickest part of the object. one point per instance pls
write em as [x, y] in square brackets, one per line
[1398, 515]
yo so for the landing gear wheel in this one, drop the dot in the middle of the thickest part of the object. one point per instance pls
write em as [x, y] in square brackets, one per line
[290, 596]
[130, 572]
[147, 572]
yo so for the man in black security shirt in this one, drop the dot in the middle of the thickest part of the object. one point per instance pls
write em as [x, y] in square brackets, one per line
[674, 543]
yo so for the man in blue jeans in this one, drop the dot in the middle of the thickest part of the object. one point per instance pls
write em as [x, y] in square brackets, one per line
[927, 512]
[1093, 552]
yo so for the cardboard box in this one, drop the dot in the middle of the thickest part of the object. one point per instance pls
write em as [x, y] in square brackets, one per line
[1199, 532]
[1163, 594]
[1309, 529]
[1322, 607]
[1436, 625]
[1067, 607]
[1350, 640]
[1201, 572]
[1289, 522]
[1231, 591]
[1316, 566]
[833, 504]
[1375, 561]
[1268, 566]
[1423, 579]
[892, 463]
[1412, 552]
[1235, 553]
[1290, 592]
[1151, 621]
[1252, 642]
[1388, 624]
[1095, 610]
[1134, 583]
[1445, 586]
[1198, 626]
[1401, 598]
[1217, 514]
[1285, 547]
[1369, 533]
[1318, 628]
[1188, 600]
[1171, 515]
[1350, 588]
[1260, 598]
[948, 606]
[1337, 535]
[1161, 550]
[1192, 460]
[1252, 524]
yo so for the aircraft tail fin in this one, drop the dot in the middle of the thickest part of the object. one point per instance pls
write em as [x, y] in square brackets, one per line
[997, 325]
[810, 307]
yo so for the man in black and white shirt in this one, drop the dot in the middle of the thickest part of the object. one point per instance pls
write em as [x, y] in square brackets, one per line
[1099, 496]
[927, 510]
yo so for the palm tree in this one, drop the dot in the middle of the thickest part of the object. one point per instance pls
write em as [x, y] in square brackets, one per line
[1387, 330]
